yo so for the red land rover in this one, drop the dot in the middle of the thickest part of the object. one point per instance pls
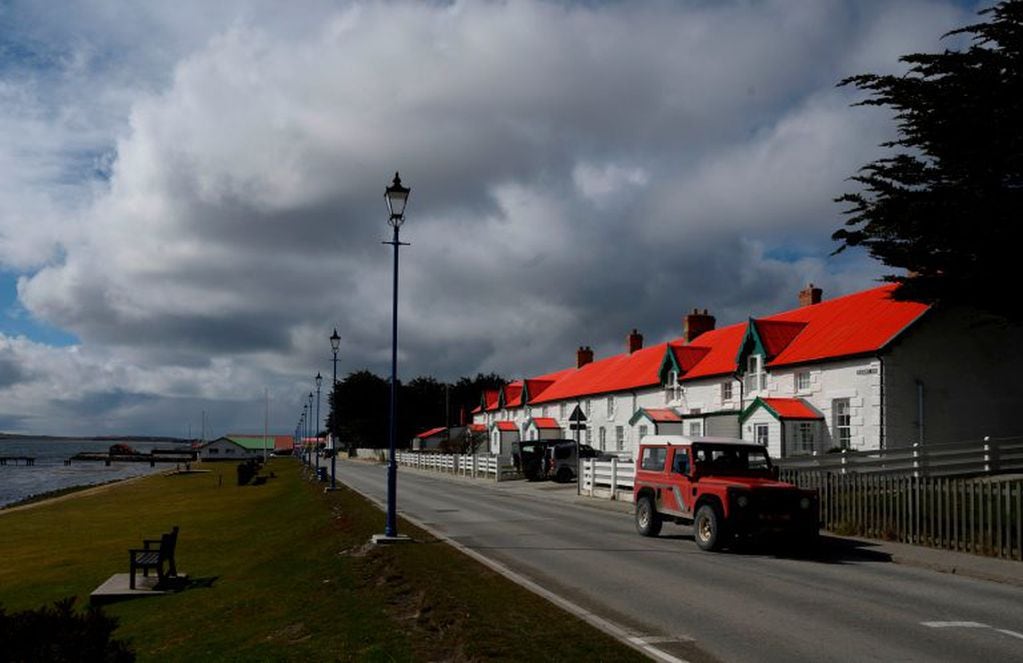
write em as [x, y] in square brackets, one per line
[725, 488]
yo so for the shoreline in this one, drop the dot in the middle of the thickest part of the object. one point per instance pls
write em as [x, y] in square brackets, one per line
[63, 494]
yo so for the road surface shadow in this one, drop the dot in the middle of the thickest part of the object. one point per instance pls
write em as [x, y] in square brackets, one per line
[829, 550]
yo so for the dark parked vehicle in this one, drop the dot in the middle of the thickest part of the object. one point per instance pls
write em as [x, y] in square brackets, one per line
[563, 458]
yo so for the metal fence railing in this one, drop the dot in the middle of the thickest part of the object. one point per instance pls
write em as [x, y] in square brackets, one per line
[987, 456]
[981, 515]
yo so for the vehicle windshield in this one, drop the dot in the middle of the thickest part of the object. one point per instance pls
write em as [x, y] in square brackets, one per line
[731, 459]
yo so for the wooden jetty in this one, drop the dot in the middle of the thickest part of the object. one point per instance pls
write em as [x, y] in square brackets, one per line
[28, 460]
[153, 457]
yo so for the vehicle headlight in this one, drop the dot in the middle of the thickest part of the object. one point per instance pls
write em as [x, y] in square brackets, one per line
[804, 503]
[742, 501]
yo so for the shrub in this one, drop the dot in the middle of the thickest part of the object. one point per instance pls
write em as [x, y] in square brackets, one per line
[60, 634]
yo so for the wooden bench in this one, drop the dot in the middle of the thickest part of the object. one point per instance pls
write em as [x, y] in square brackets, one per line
[155, 554]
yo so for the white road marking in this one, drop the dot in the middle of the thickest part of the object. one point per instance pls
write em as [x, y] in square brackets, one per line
[1004, 631]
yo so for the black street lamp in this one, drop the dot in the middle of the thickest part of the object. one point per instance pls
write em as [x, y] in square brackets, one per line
[302, 425]
[396, 196]
[309, 426]
[335, 345]
[319, 381]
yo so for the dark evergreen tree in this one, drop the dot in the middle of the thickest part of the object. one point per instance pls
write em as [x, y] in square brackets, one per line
[947, 205]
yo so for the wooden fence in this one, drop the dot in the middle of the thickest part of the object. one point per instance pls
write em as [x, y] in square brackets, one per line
[981, 515]
[467, 465]
[611, 479]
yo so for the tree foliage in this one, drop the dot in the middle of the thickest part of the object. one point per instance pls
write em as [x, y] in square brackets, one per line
[360, 406]
[946, 206]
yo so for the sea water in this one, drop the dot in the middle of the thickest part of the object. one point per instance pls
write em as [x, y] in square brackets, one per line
[50, 473]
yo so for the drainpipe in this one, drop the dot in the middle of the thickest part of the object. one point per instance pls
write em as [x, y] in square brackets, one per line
[736, 377]
[880, 434]
[920, 411]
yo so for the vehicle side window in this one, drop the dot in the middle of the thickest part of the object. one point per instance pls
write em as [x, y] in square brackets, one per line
[654, 458]
[680, 464]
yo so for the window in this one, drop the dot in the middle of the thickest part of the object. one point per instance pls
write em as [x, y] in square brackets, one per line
[803, 381]
[588, 407]
[756, 378]
[610, 407]
[653, 458]
[680, 463]
[726, 391]
[546, 411]
[213, 450]
[589, 436]
[561, 410]
[841, 422]
[696, 428]
[643, 432]
[603, 438]
[620, 438]
[760, 434]
[804, 442]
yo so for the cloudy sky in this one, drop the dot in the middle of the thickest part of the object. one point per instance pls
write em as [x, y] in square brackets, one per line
[191, 193]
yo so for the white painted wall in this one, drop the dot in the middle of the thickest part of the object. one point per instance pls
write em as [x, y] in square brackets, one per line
[225, 450]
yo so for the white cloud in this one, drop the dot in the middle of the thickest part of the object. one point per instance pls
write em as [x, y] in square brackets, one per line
[196, 191]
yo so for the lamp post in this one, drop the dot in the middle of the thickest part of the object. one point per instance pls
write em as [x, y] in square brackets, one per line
[396, 196]
[302, 425]
[319, 381]
[335, 345]
[313, 458]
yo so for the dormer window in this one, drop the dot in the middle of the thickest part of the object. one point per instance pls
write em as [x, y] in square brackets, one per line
[756, 378]
[672, 389]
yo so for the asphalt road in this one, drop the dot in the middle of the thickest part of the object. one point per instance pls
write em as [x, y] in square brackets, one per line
[841, 604]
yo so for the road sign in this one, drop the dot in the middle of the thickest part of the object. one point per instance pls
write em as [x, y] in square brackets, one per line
[577, 415]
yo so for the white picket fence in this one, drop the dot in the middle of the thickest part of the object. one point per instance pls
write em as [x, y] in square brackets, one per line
[610, 479]
[481, 466]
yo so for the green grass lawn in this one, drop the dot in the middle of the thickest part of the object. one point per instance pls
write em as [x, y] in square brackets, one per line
[281, 571]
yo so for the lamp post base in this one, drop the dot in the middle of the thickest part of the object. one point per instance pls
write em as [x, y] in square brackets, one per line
[383, 539]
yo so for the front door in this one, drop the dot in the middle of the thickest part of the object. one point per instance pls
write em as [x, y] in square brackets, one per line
[678, 498]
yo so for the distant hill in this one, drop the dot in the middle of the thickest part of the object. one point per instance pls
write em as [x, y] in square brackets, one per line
[99, 438]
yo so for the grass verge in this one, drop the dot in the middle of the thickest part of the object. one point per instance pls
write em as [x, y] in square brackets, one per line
[282, 571]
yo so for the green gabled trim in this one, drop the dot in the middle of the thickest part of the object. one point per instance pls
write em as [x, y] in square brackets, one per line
[757, 347]
[757, 402]
[525, 393]
[668, 363]
[637, 415]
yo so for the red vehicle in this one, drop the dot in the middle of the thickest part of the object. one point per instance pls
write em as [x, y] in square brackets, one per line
[725, 488]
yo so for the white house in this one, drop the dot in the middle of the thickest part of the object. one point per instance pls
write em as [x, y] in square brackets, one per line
[862, 371]
[228, 448]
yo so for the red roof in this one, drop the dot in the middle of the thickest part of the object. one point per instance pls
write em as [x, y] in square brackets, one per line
[282, 442]
[490, 399]
[545, 422]
[855, 324]
[430, 433]
[790, 408]
[724, 347]
[513, 394]
[477, 409]
[777, 334]
[506, 426]
[617, 373]
[662, 415]
[477, 428]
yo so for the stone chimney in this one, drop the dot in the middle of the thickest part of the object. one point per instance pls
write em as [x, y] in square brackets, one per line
[583, 356]
[634, 341]
[810, 295]
[696, 323]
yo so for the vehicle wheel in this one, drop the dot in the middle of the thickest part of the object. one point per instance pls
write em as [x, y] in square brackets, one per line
[564, 475]
[708, 528]
[648, 521]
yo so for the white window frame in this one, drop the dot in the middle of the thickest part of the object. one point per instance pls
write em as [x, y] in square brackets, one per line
[694, 427]
[562, 410]
[602, 437]
[841, 422]
[610, 407]
[588, 407]
[727, 391]
[643, 431]
[620, 438]
[802, 381]
[762, 428]
[672, 390]
[806, 437]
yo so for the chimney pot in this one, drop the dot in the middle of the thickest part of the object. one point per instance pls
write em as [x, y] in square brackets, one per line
[696, 323]
[810, 295]
[634, 341]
